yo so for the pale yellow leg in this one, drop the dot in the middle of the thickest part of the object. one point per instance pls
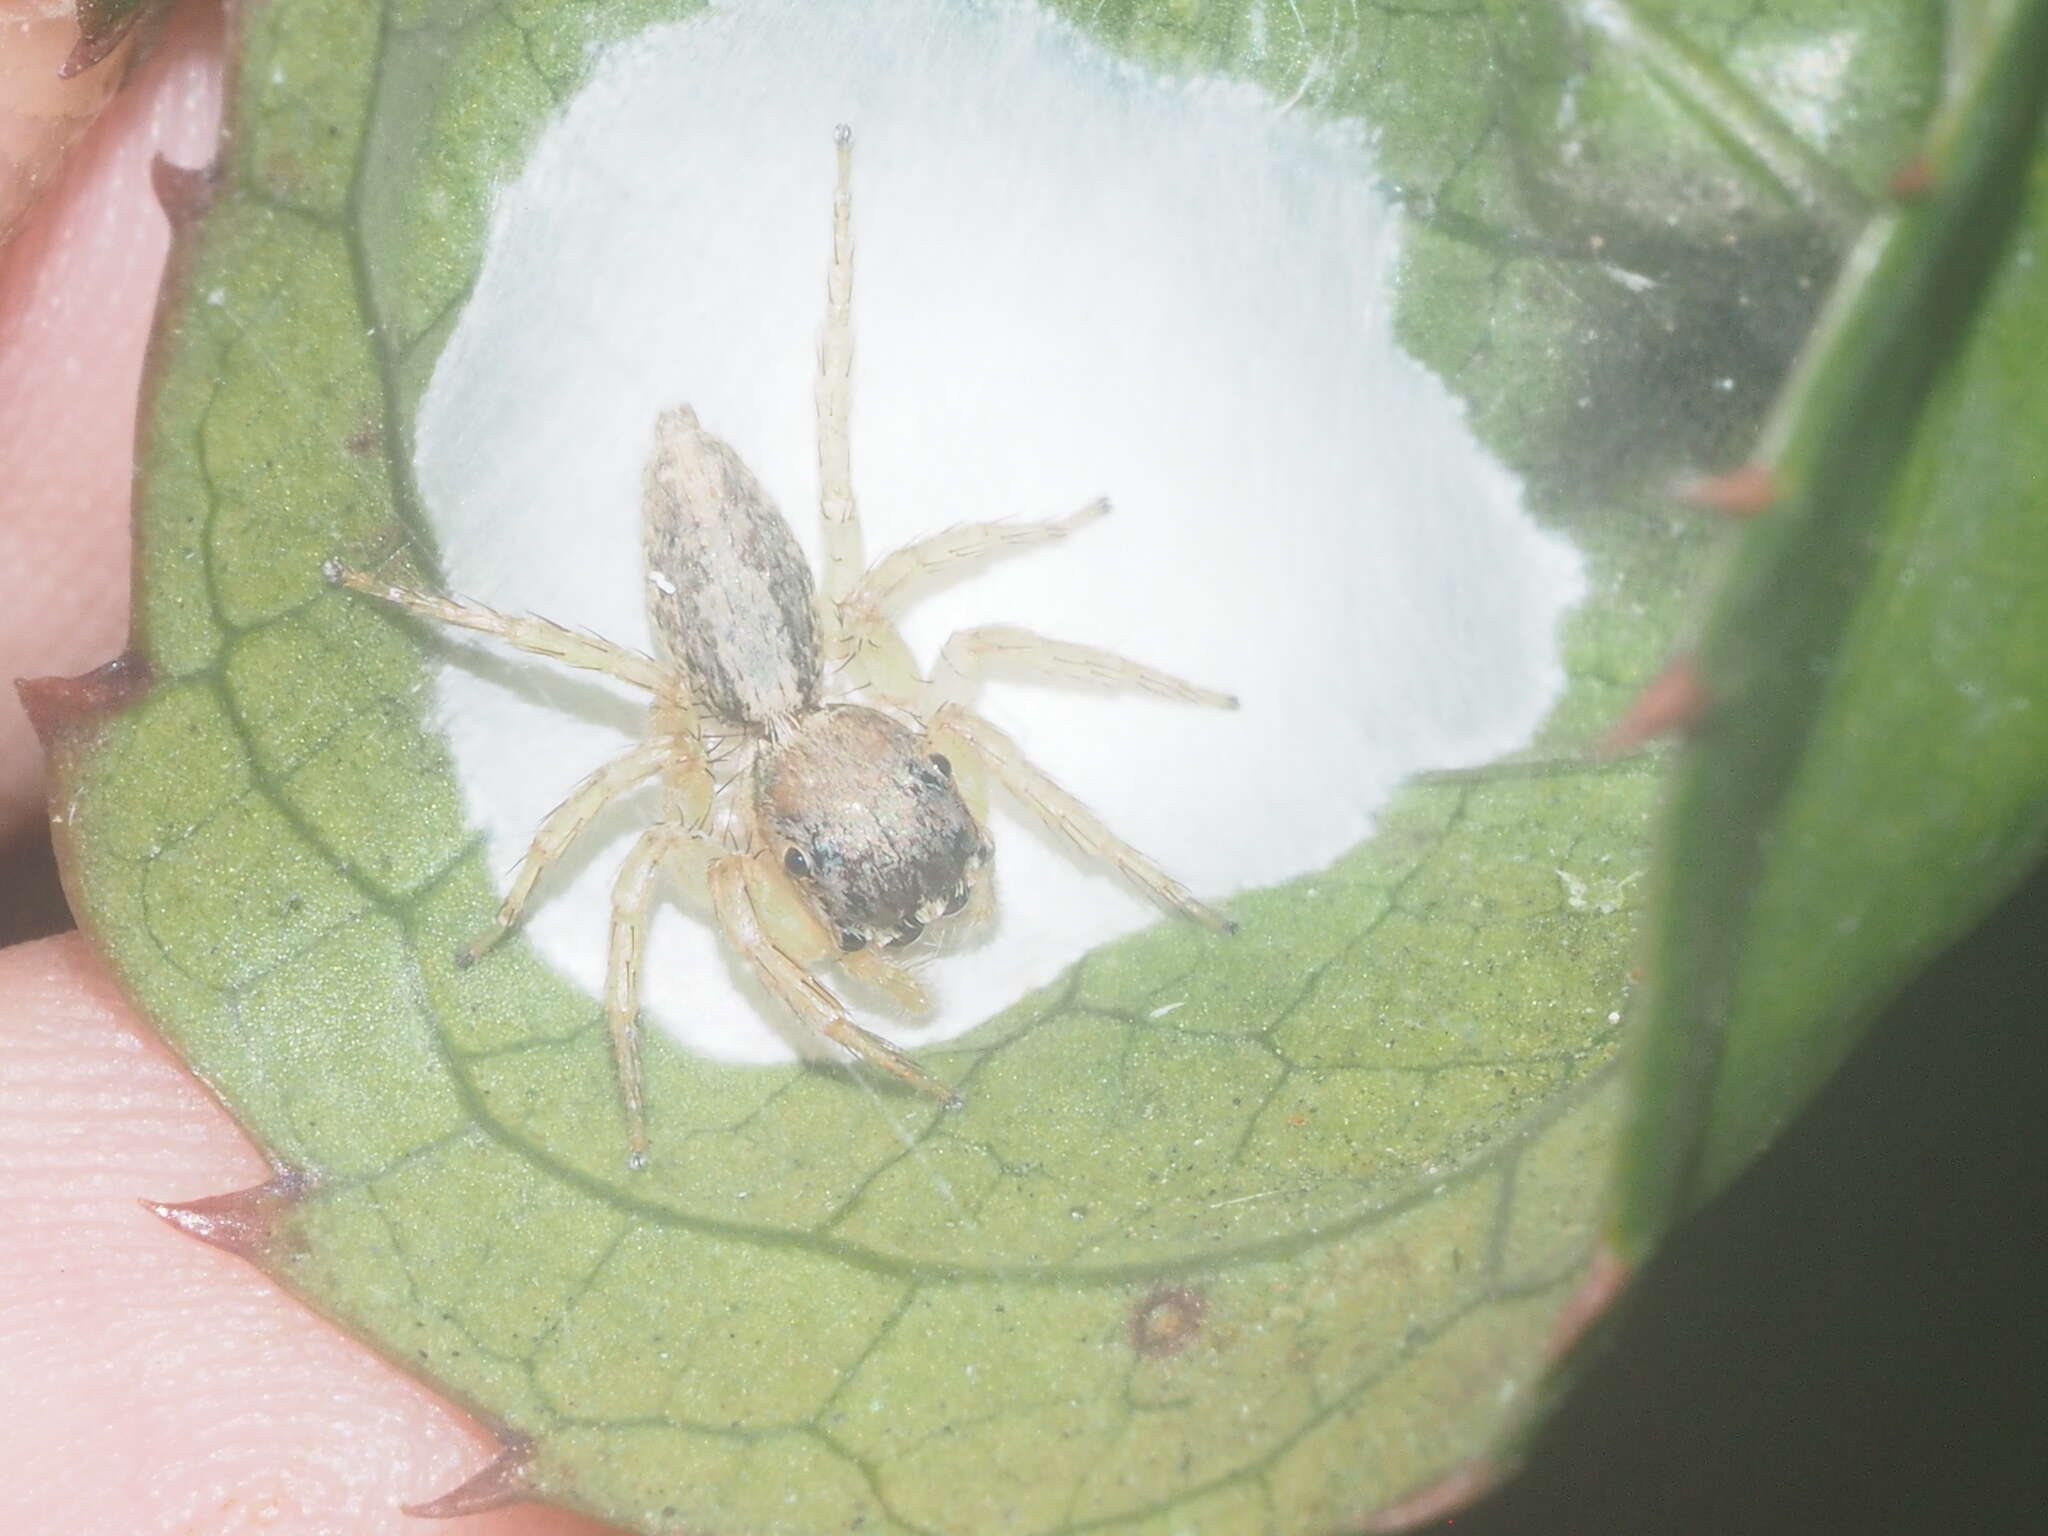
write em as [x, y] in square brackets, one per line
[564, 824]
[885, 975]
[632, 897]
[960, 545]
[864, 650]
[969, 651]
[687, 785]
[540, 636]
[1067, 815]
[793, 984]
[834, 393]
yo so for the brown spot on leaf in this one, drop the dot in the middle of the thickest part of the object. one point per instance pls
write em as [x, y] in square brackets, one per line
[502, 1481]
[63, 708]
[1166, 1321]
[363, 440]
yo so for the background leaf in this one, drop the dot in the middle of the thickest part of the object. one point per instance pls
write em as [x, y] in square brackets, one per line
[1875, 774]
[792, 1309]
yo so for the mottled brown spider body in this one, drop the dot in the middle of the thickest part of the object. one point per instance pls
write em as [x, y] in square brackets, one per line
[844, 810]
[872, 826]
[729, 593]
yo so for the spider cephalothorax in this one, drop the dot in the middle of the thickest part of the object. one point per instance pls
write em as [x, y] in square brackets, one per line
[871, 826]
[852, 817]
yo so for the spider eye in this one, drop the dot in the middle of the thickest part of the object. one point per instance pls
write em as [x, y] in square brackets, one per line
[908, 932]
[956, 901]
[795, 862]
[944, 764]
[851, 941]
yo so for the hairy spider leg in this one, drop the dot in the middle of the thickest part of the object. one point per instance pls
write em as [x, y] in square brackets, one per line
[885, 975]
[561, 827]
[946, 551]
[675, 750]
[958, 726]
[834, 392]
[860, 631]
[632, 898]
[542, 637]
[733, 900]
[964, 657]
[871, 641]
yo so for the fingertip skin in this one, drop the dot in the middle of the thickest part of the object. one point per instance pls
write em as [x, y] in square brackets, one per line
[77, 293]
[150, 1383]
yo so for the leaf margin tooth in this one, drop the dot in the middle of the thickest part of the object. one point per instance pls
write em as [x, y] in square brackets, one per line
[103, 25]
[1747, 491]
[184, 192]
[1913, 180]
[66, 712]
[501, 1481]
[247, 1223]
[1674, 702]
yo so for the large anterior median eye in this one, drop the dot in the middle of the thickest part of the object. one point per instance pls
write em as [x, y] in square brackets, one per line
[851, 941]
[795, 862]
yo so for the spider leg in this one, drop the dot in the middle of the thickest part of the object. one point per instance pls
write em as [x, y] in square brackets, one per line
[859, 633]
[884, 974]
[564, 824]
[969, 651]
[734, 901]
[954, 724]
[542, 637]
[632, 897]
[962, 544]
[834, 392]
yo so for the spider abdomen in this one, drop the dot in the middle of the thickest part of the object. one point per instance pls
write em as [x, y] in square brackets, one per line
[729, 593]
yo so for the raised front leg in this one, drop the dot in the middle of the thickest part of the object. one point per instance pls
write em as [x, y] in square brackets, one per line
[835, 392]
[542, 637]
[735, 883]
[1066, 815]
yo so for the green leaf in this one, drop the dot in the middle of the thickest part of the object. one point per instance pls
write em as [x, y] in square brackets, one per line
[1258, 1234]
[1875, 774]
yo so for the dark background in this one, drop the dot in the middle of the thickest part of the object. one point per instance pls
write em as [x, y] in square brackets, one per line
[1854, 1337]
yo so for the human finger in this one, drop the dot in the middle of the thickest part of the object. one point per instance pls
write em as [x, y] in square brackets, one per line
[151, 1384]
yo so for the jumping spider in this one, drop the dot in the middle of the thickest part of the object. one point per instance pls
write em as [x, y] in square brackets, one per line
[837, 830]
